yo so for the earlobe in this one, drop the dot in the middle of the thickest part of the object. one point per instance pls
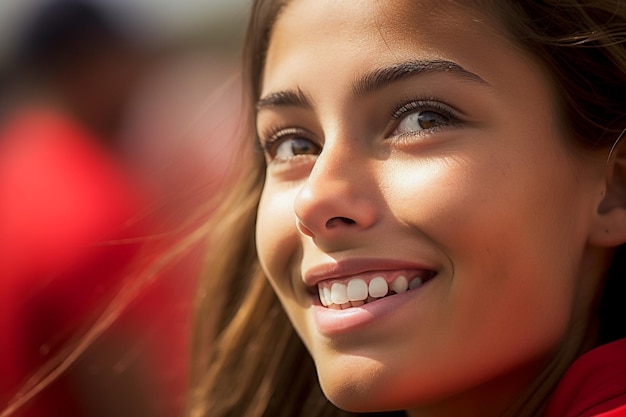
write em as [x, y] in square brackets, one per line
[609, 228]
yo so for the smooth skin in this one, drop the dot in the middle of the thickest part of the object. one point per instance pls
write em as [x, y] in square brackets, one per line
[459, 164]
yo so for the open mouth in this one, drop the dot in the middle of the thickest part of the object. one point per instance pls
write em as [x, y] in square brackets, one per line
[359, 290]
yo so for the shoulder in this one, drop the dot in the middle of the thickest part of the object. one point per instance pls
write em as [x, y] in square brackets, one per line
[595, 385]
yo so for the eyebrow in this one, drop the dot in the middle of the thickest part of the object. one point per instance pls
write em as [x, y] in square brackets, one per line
[382, 77]
[373, 81]
[284, 98]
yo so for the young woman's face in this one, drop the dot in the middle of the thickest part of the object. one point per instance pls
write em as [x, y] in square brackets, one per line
[419, 181]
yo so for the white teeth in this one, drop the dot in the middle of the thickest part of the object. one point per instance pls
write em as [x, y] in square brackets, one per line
[378, 287]
[415, 283]
[323, 299]
[357, 290]
[327, 296]
[339, 293]
[400, 284]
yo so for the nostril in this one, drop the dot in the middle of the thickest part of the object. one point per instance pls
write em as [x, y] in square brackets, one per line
[336, 221]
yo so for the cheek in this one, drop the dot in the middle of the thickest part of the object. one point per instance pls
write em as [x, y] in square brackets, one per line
[493, 197]
[277, 237]
[514, 241]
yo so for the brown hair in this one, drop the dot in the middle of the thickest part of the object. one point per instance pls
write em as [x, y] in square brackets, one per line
[248, 359]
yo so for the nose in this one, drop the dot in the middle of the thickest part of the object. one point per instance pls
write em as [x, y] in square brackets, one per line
[337, 200]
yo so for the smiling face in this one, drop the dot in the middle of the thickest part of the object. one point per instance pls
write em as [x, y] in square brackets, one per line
[424, 220]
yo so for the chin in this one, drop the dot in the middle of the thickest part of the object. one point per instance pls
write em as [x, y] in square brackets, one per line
[371, 388]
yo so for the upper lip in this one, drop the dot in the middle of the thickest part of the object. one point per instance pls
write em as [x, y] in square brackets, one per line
[355, 266]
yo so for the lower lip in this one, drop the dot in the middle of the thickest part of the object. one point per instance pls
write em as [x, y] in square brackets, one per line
[332, 322]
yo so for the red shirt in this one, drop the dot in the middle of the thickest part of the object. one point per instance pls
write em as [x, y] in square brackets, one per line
[595, 385]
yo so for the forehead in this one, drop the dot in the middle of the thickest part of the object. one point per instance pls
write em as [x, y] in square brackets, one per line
[398, 16]
[373, 33]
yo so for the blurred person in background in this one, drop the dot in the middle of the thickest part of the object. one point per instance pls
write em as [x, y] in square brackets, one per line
[75, 234]
[73, 58]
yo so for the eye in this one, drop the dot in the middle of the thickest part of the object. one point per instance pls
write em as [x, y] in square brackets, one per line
[290, 143]
[423, 116]
[295, 146]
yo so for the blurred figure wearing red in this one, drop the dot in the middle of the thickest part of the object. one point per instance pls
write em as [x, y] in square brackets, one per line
[60, 197]
[69, 237]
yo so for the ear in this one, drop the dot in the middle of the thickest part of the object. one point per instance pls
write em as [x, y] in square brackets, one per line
[609, 228]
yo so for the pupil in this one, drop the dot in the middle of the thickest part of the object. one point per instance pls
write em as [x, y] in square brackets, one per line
[301, 147]
[430, 119]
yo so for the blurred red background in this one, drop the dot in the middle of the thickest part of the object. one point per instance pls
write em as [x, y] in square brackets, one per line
[112, 142]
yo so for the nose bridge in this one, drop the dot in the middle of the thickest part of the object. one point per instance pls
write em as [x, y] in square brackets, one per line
[337, 196]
